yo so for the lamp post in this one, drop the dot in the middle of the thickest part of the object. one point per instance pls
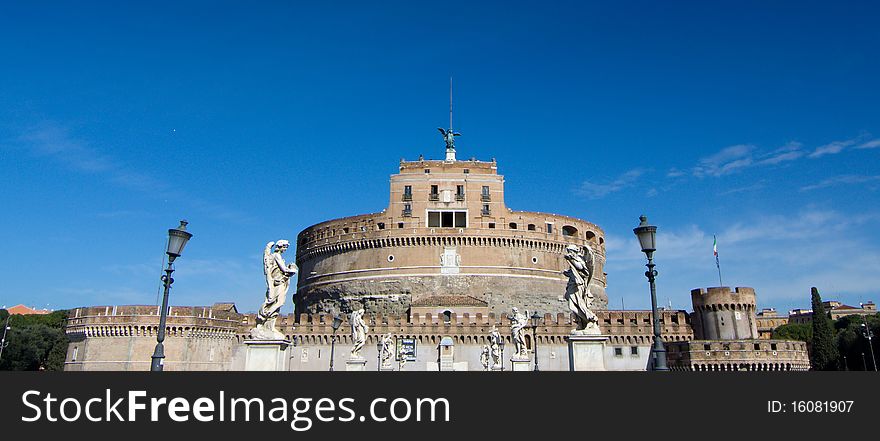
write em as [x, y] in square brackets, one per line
[535, 318]
[3, 342]
[501, 346]
[647, 235]
[336, 322]
[379, 356]
[177, 239]
[866, 332]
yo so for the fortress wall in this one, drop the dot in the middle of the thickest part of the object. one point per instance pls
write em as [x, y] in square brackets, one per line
[113, 342]
[741, 355]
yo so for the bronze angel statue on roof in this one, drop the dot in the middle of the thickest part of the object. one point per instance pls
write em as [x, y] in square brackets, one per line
[449, 137]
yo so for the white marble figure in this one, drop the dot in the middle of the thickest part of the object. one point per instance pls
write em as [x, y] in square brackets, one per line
[387, 350]
[401, 358]
[484, 357]
[278, 274]
[495, 345]
[577, 292]
[359, 331]
[518, 324]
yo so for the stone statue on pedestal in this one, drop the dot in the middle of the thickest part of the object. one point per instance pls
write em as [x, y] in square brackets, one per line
[387, 350]
[278, 274]
[577, 292]
[495, 346]
[359, 331]
[484, 357]
[518, 325]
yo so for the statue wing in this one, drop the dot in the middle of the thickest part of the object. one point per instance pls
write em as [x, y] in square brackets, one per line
[442, 131]
[267, 262]
[591, 263]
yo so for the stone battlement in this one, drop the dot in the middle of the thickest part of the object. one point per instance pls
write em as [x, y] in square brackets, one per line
[723, 297]
[142, 321]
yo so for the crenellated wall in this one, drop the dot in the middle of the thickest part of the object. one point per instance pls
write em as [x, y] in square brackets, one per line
[203, 338]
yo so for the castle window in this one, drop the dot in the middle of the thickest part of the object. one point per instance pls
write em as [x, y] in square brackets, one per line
[447, 219]
[485, 210]
[381, 225]
[400, 225]
[435, 193]
[618, 352]
[590, 235]
[407, 193]
[407, 210]
[772, 346]
[707, 347]
[491, 224]
[531, 227]
[427, 170]
[467, 170]
[459, 192]
[568, 230]
[485, 194]
[549, 228]
[512, 225]
[634, 350]
[447, 316]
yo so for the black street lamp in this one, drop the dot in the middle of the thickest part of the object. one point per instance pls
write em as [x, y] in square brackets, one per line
[647, 235]
[336, 322]
[501, 346]
[866, 332]
[535, 319]
[177, 239]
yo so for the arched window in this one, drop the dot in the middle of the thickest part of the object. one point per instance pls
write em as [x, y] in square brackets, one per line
[512, 225]
[568, 230]
[447, 316]
[590, 235]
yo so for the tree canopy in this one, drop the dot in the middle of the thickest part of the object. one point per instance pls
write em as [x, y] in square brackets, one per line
[35, 342]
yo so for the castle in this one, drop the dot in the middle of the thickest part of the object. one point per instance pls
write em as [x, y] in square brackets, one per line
[438, 268]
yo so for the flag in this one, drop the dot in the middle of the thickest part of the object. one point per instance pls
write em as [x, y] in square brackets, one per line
[715, 245]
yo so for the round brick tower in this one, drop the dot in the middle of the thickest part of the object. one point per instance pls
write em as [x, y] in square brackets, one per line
[446, 232]
[722, 314]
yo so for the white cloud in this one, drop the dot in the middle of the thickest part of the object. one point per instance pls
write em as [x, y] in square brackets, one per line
[873, 144]
[596, 191]
[788, 152]
[843, 179]
[725, 161]
[831, 148]
[781, 256]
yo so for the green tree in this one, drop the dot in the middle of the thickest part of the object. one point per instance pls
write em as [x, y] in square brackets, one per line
[794, 331]
[35, 342]
[823, 351]
[851, 342]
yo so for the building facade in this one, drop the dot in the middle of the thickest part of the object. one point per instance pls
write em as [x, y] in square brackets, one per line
[446, 231]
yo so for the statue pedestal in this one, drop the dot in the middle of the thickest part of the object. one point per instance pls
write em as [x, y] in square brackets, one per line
[356, 364]
[267, 355]
[521, 364]
[387, 368]
[586, 352]
[497, 367]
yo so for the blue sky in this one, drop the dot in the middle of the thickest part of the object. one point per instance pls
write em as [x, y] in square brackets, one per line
[756, 122]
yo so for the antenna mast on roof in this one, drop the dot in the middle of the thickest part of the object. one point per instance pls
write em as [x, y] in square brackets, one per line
[449, 135]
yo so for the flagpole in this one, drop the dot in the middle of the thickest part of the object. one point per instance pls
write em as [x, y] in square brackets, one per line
[717, 261]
